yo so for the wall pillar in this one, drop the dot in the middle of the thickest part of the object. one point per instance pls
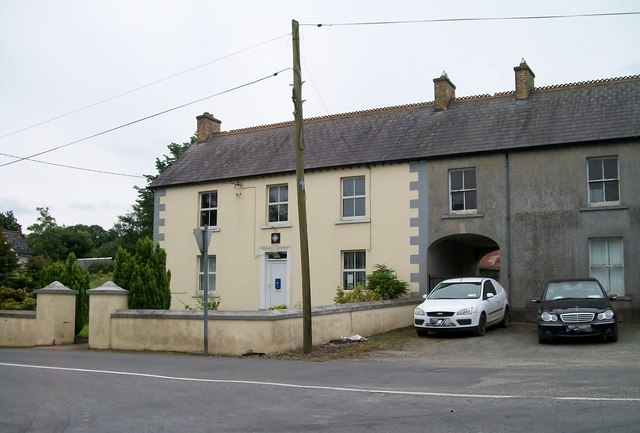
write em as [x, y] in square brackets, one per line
[55, 315]
[103, 301]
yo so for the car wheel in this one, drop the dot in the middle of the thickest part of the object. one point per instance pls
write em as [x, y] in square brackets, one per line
[482, 325]
[505, 319]
[422, 332]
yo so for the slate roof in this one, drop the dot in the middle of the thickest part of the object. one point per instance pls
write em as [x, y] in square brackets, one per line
[557, 115]
[18, 243]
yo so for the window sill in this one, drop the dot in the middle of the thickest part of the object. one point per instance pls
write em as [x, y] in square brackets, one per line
[462, 215]
[354, 221]
[275, 226]
[604, 207]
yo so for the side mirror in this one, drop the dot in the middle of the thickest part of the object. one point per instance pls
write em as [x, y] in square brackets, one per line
[613, 297]
[536, 300]
[489, 295]
[425, 296]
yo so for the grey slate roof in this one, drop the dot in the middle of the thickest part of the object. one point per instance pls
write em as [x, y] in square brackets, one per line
[18, 243]
[558, 115]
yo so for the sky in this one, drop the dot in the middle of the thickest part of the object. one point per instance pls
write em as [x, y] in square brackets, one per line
[73, 73]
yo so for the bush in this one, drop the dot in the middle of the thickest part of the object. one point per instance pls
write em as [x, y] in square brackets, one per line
[385, 282]
[357, 294]
[16, 299]
[214, 303]
[279, 307]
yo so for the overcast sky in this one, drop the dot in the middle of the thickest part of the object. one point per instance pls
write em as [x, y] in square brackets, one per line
[61, 56]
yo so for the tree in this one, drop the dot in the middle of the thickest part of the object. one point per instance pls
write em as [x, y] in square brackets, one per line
[74, 277]
[56, 242]
[139, 222]
[145, 275]
[8, 260]
[9, 222]
[385, 282]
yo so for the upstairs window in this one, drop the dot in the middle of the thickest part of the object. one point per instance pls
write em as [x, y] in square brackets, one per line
[278, 204]
[209, 209]
[354, 270]
[463, 192]
[604, 184]
[353, 198]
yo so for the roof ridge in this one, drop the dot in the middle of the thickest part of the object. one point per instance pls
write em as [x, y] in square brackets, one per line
[426, 104]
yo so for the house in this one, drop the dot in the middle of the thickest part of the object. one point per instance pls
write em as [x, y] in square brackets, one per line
[546, 175]
[19, 245]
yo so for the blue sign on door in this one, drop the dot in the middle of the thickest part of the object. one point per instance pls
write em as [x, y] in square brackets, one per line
[278, 283]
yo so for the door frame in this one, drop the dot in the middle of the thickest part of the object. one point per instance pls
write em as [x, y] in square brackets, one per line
[264, 273]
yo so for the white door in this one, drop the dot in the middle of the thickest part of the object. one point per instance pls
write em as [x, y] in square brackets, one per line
[277, 290]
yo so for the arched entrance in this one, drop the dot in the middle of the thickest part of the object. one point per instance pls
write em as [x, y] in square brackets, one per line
[460, 255]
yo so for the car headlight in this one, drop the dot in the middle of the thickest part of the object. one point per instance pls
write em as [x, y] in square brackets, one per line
[548, 317]
[419, 312]
[465, 312]
[607, 315]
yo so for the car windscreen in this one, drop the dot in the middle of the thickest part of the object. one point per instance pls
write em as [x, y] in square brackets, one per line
[456, 291]
[573, 290]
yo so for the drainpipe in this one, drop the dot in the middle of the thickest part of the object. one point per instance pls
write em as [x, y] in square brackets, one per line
[508, 220]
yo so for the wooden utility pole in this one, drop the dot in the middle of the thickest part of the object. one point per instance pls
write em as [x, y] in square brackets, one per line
[301, 193]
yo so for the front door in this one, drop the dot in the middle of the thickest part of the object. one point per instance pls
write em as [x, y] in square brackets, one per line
[277, 290]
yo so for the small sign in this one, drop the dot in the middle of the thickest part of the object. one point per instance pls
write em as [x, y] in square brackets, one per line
[278, 283]
[275, 238]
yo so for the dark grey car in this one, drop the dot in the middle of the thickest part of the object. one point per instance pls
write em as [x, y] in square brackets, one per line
[576, 308]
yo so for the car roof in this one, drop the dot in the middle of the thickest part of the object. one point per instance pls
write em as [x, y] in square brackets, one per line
[465, 280]
[568, 280]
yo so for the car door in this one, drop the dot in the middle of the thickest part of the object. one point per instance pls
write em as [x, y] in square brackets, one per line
[493, 302]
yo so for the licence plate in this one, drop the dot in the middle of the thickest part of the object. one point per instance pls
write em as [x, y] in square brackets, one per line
[438, 322]
[579, 328]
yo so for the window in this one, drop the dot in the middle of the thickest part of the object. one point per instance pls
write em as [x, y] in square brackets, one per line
[606, 263]
[604, 185]
[211, 274]
[353, 269]
[463, 191]
[489, 288]
[209, 209]
[278, 204]
[353, 197]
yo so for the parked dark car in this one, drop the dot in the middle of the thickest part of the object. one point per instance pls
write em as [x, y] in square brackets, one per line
[576, 308]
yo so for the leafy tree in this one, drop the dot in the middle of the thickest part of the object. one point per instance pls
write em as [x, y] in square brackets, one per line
[56, 242]
[8, 260]
[74, 277]
[145, 275]
[385, 282]
[139, 222]
[9, 222]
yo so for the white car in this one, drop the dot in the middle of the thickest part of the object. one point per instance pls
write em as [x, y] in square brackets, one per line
[461, 304]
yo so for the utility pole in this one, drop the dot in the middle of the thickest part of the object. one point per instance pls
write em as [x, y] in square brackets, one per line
[301, 193]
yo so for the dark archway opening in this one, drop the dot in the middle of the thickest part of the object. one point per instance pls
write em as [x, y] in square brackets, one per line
[463, 255]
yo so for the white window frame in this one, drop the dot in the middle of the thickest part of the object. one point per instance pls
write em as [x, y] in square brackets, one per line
[351, 276]
[464, 190]
[610, 268]
[210, 209]
[277, 204]
[213, 275]
[353, 198]
[602, 181]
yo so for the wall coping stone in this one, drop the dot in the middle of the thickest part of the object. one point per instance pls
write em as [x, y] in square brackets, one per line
[261, 315]
[23, 314]
[56, 288]
[108, 288]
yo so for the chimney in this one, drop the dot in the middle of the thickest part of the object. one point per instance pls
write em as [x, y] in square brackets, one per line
[207, 126]
[524, 80]
[445, 91]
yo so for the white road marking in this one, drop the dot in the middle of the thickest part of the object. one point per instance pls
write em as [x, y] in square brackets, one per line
[318, 387]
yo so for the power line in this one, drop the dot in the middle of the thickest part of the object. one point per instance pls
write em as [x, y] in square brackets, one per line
[144, 86]
[74, 167]
[145, 118]
[446, 20]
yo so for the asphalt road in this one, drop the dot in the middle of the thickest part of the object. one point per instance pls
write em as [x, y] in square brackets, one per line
[502, 382]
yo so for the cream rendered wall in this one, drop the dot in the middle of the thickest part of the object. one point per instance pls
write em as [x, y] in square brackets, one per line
[243, 234]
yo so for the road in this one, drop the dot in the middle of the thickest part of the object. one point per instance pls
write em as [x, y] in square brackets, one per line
[502, 382]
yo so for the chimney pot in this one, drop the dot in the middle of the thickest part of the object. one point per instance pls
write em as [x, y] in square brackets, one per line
[207, 126]
[524, 80]
[445, 91]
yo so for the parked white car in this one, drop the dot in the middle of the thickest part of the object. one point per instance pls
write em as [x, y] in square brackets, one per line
[460, 304]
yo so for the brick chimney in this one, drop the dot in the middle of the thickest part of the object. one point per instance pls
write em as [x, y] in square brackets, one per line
[207, 126]
[524, 80]
[444, 90]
